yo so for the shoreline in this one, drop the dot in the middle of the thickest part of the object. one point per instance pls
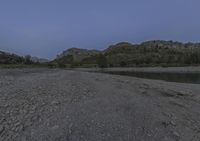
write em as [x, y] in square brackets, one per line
[190, 69]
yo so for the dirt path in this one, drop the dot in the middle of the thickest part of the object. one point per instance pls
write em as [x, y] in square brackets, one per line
[61, 105]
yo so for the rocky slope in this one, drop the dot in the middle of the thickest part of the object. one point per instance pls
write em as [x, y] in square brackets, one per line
[156, 52]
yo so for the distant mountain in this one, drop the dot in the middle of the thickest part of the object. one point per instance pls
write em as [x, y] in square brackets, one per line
[77, 54]
[40, 60]
[155, 52]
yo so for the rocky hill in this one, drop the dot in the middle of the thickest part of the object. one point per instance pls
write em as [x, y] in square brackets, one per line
[78, 53]
[7, 58]
[156, 52]
[75, 56]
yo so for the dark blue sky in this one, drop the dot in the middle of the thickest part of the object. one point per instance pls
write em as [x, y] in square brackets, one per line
[45, 28]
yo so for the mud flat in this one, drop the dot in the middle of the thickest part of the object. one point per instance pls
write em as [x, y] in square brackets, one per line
[67, 105]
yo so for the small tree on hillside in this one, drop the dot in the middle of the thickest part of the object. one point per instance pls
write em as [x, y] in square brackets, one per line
[123, 64]
[28, 60]
[102, 61]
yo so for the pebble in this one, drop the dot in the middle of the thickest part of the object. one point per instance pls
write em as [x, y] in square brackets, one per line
[34, 118]
[175, 134]
[19, 128]
[54, 102]
[17, 124]
[55, 127]
[1, 120]
[70, 128]
[7, 112]
[173, 123]
[1, 129]
[143, 91]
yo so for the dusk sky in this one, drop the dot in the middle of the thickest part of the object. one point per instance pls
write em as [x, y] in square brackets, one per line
[44, 28]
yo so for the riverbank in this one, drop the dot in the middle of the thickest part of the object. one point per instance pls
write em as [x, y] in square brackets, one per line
[55, 104]
[190, 69]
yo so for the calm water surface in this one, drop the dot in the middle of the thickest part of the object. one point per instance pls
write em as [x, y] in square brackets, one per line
[171, 77]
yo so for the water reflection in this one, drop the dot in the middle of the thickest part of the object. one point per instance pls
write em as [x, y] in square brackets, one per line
[172, 77]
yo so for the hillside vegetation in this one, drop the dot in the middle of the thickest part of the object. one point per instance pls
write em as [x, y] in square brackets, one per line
[125, 54]
[150, 53]
[8, 60]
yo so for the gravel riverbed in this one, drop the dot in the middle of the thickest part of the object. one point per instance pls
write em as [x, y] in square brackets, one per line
[68, 105]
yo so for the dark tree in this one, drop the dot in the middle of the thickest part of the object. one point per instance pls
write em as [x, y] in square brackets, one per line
[102, 61]
[28, 60]
[123, 64]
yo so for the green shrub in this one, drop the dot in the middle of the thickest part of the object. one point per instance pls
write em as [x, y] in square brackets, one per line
[102, 61]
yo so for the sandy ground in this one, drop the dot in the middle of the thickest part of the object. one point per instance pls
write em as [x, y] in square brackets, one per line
[64, 105]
